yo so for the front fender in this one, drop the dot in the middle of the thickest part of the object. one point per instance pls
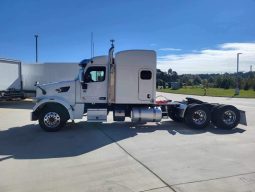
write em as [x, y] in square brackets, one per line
[44, 101]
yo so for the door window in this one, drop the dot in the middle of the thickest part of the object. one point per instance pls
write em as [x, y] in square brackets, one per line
[94, 74]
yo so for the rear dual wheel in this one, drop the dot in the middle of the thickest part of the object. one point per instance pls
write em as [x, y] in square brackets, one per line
[197, 116]
[174, 115]
[225, 116]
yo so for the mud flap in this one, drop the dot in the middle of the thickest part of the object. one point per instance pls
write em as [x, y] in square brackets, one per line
[243, 118]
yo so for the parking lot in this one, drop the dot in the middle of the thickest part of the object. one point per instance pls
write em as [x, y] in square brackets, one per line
[162, 157]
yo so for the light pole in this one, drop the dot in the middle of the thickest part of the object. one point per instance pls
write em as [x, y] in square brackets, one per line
[36, 48]
[237, 90]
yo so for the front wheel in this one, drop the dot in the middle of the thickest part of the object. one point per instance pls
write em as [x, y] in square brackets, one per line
[53, 118]
[197, 116]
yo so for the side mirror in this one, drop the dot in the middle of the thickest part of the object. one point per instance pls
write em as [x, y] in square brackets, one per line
[81, 76]
[36, 84]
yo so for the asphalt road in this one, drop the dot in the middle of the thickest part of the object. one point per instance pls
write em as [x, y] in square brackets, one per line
[161, 157]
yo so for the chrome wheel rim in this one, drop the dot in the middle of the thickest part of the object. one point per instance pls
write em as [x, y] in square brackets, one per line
[199, 117]
[229, 117]
[51, 119]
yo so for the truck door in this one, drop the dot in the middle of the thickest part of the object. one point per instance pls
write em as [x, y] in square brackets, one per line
[145, 84]
[94, 88]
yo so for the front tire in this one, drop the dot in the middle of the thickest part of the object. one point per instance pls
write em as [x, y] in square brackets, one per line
[53, 118]
[197, 116]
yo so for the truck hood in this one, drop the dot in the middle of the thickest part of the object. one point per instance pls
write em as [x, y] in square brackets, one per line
[54, 89]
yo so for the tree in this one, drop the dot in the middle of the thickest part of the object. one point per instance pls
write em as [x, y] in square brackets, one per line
[160, 82]
[218, 82]
[205, 83]
[197, 80]
[174, 76]
[211, 80]
[226, 80]
[169, 72]
[246, 86]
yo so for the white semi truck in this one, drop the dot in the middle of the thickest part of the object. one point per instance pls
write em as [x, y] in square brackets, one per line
[124, 83]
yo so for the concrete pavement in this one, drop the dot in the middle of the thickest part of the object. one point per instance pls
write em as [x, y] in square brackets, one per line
[153, 157]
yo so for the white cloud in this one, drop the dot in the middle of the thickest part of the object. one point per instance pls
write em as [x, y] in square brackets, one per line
[220, 60]
[169, 49]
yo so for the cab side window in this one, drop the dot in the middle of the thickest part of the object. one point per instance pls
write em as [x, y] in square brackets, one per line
[94, 74]
[145, 75]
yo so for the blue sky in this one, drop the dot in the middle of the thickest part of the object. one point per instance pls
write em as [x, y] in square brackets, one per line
[177, 29]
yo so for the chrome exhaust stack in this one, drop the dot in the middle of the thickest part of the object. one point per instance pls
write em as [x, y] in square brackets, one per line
[111, 75]
[110, 54]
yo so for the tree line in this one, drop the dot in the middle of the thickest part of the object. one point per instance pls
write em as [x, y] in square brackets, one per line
[246, 80]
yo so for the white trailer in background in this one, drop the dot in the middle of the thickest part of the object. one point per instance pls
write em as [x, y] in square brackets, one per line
[124, 83]
[46, 73]
[11, 85]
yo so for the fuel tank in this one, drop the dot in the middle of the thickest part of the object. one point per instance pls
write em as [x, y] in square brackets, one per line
[146, 114]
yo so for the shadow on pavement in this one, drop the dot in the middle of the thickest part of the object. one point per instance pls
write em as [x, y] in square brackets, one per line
[19, 104]
[30, 142]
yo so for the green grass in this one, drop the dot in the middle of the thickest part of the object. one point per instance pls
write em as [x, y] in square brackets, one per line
[217, 92]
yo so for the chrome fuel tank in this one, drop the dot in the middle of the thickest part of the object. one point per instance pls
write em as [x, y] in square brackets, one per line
[146, 114]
